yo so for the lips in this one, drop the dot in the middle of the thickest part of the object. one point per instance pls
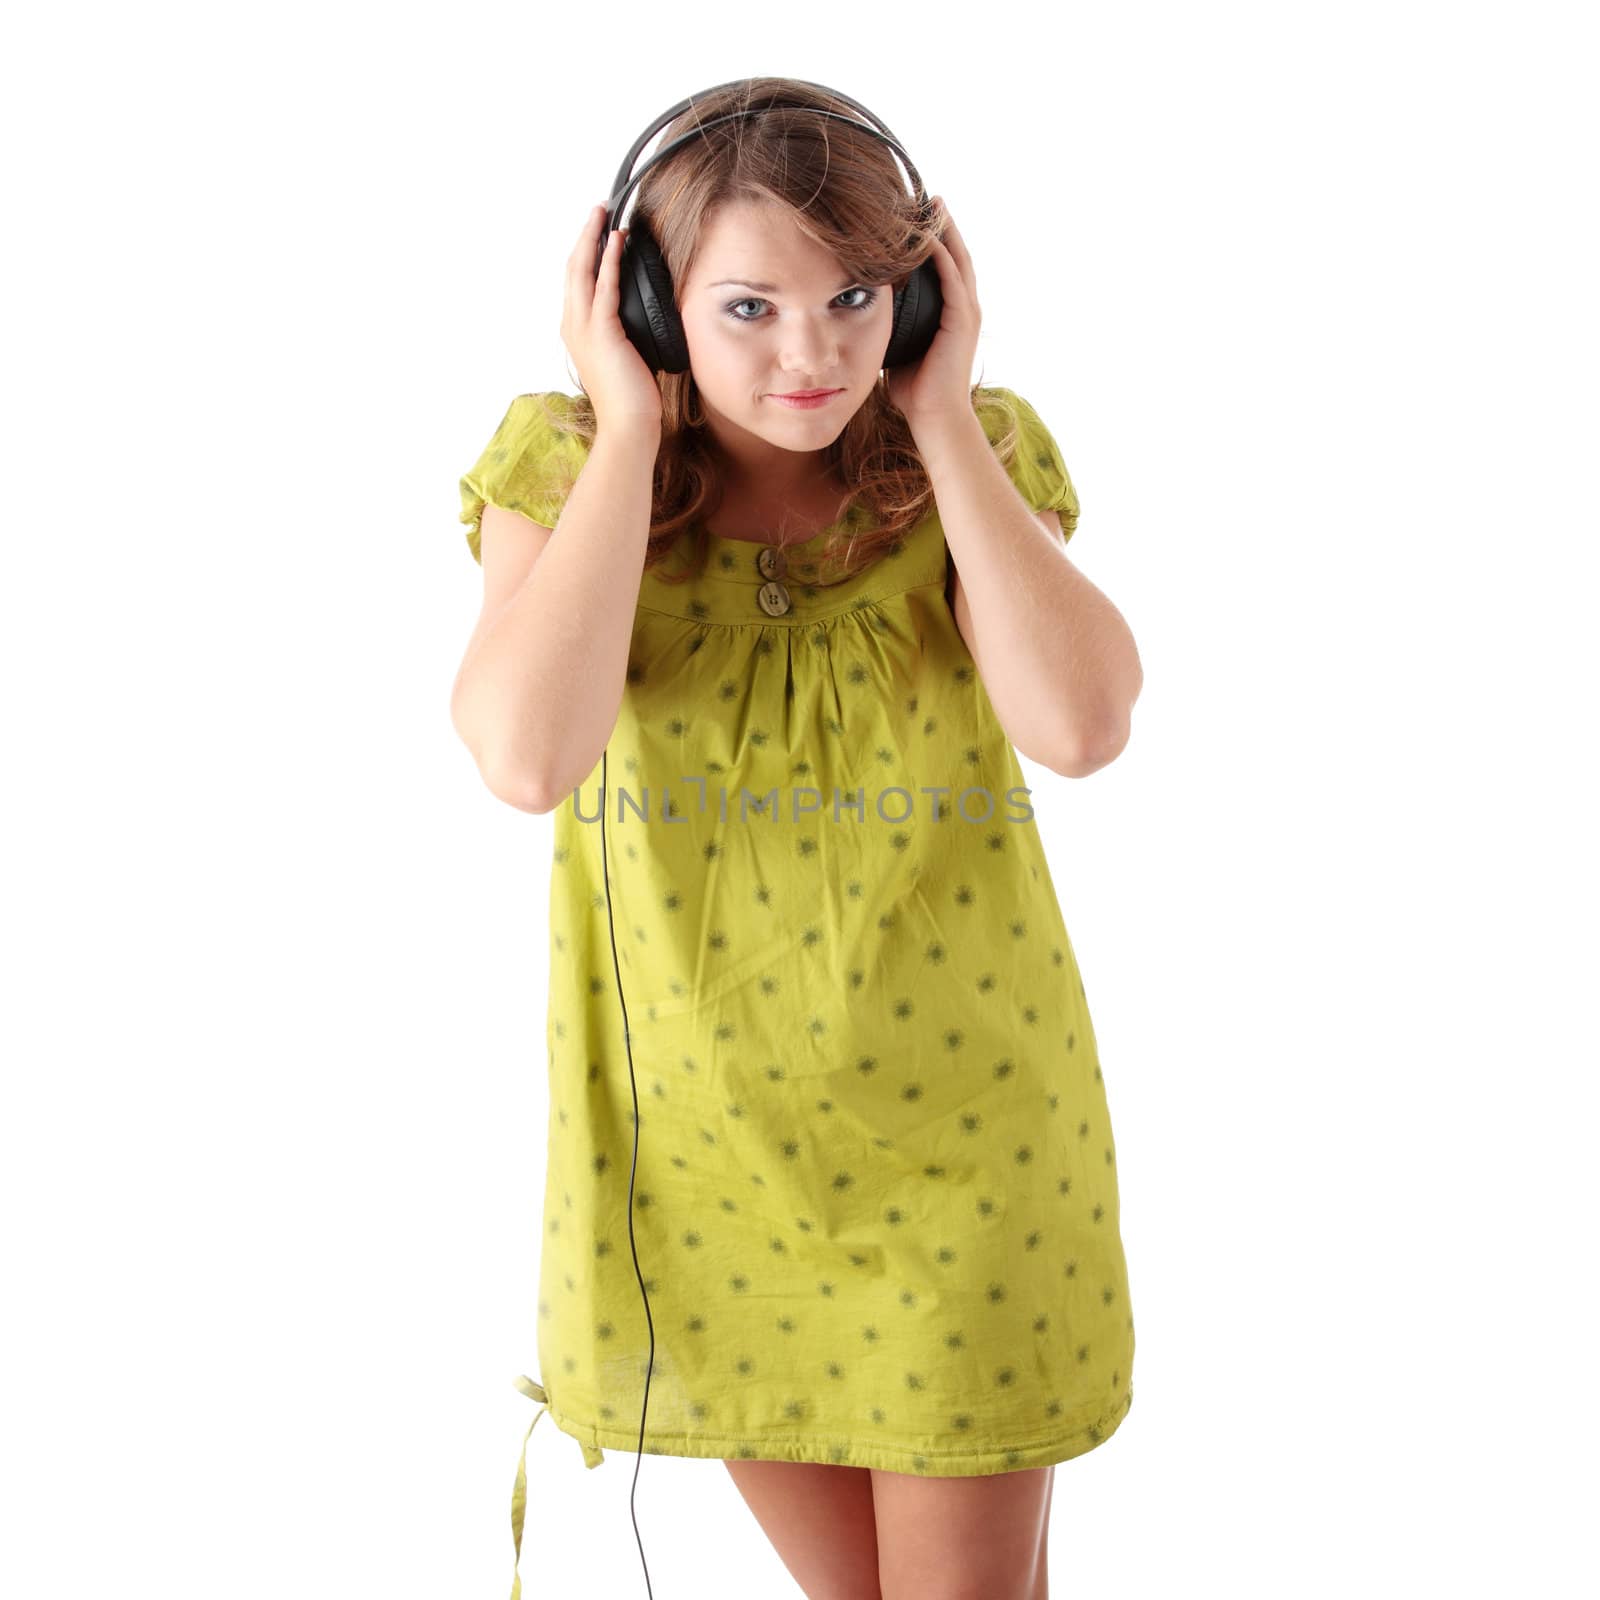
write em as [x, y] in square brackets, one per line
[807, 394]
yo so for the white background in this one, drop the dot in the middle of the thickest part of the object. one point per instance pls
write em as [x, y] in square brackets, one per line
[1306, 295]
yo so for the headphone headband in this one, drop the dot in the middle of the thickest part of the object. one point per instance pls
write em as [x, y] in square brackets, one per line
[627, 179]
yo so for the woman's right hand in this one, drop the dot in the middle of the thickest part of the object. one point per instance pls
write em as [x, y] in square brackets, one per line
[616, 378]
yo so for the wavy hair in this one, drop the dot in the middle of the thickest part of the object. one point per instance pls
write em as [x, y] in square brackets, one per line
[844, 190]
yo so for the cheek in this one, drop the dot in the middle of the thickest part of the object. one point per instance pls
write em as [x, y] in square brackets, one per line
[715, 339]
[879, 322]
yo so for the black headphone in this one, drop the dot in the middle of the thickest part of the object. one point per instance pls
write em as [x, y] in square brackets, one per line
[646, 307]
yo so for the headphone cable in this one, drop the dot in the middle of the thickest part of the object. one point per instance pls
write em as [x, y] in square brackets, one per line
[627, 1037]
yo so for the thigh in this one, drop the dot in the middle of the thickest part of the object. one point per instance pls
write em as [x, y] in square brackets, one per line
[819, 1518]
[980, 1538]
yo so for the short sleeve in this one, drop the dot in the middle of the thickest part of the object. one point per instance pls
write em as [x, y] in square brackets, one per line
[1036, 466]
[529, 465]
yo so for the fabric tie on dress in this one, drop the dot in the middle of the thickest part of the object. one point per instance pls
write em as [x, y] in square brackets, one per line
[592, 1457]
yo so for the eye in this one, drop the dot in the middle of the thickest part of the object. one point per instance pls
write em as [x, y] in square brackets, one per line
[732, 308]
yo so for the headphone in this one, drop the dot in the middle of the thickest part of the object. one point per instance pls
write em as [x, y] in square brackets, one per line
[651, 321]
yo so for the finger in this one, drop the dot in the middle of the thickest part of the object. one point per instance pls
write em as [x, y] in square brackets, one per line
[955, 246]
[580, 264]
[605, 286]
[586, 235]
[950, 235]
[956, 280]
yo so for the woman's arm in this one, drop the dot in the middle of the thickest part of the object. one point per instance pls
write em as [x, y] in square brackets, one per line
[541, 682]
[1057, 660]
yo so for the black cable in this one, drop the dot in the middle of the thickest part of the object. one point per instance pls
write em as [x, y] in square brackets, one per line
[627, 1038]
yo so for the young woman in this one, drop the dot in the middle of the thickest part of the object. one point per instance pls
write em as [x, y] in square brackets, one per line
[874, 1210]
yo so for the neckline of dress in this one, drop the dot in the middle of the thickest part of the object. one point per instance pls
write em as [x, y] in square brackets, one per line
[726, 541]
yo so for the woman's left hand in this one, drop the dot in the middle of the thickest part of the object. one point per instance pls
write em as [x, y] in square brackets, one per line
[940, 384]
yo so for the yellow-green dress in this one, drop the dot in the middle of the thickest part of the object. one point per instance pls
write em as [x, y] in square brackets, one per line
[875, 1208]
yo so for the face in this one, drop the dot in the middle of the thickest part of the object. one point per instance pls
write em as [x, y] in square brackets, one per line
[768, 312]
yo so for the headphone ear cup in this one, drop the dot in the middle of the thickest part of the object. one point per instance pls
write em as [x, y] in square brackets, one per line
[645, 305]
[917, 309]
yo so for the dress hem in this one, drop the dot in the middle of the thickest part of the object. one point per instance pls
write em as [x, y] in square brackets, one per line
[835, 1452]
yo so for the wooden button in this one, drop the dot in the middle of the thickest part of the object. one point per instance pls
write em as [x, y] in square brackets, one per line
[773, 598]
[771, 562]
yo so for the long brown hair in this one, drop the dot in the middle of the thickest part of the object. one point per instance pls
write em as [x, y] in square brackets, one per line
[844, 190]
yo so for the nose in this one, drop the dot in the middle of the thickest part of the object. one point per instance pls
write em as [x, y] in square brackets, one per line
[810, 347]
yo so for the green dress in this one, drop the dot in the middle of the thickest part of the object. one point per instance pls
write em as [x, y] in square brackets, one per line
[875, 1206]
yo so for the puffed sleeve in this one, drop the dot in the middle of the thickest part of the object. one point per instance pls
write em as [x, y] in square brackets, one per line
[1035, 465]
[529, 465]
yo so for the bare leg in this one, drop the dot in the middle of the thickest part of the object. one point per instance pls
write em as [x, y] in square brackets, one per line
[1042, 1592]
[975, 1538]
[819, 1519]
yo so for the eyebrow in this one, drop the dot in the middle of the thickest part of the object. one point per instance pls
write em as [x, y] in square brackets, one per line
[767, 288]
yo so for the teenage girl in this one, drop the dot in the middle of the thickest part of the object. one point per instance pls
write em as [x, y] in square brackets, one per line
[873, 1204]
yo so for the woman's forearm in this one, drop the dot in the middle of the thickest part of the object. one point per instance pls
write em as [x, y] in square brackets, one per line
[1057, 658]
[538, 697]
